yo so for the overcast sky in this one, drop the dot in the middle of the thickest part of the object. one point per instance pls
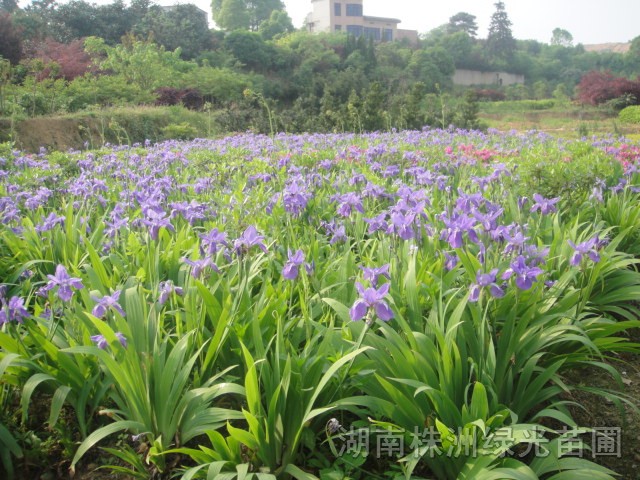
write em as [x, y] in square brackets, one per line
[589, 21]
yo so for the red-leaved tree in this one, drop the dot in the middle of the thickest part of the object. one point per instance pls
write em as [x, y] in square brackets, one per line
[596, 88]
[71, 58]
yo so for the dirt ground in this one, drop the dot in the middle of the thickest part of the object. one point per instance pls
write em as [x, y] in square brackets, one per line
[599, 413]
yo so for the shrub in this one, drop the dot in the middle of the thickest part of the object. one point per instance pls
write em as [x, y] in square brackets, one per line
[182, 131]
[167, 96]
[596, 88]
[189, 97]
[630, 114]
[490, 95]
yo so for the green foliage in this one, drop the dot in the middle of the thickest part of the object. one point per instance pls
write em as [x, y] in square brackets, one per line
[463, 22]
[278, 23]
[181, 26]
[500, 39]
[571, 173]
[232, 15]
[244, 14]
[467, 112]
[182, 131]
[140, 63]
[237, 371]
[630, 114]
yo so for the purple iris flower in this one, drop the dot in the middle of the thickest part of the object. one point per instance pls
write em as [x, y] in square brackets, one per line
[534, 255]
[115, 225]
[64, 282]
[166, 289]
[372, 274]
[249, 238]
[545, 205]
[156, 220]
[515, 242]
[339, 234]
[198, 266]
[402, 225]
[485, 280]
[102, 343]
[371, 299]
[211, 241]
[488, 220]
[349, 202]
[589, 248]
[525, 275]
[295, 198]
[373, 191]
[456, 226]
[310, 268]
[49, 223]
[291, 268]
[105, 303]
[450, 261]
[377, 223]
[13, 310]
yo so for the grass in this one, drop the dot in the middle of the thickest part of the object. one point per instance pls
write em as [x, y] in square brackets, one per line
[564, 120]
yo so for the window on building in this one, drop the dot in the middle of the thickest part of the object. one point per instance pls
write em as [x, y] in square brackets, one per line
[355, 30]
[354, 10]
[337, 9]
[387, 35]
[338, 28]
[371, 32]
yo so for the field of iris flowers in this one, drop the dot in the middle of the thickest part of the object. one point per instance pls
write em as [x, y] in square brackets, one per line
[398, 305]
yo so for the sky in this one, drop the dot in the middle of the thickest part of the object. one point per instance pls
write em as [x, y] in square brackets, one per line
[589, 21]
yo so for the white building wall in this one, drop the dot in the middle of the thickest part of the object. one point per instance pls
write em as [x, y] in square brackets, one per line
[475, 77]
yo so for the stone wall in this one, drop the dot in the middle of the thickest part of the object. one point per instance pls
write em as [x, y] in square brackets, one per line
[476, 77]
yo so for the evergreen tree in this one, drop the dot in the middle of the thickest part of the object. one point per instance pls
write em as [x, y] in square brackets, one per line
[373, 108]
[412, 115]
[463, 22]
[500, 40]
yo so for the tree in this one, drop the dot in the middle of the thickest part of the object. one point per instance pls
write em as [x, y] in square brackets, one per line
[373, 108]
[9, 6]
[10, 39]
[412, 116]
[34, 20]
[596, 88]
[466, 115]
[80, 19]
[250, 49]
[278, 23]
[561, 38]
[6, 75]
[500, 40]
[459, 46]
[232, 15]
[632, 57]
[71, 59]
[141, 63]
[181, 26]
[256, 11]
[463, 22]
